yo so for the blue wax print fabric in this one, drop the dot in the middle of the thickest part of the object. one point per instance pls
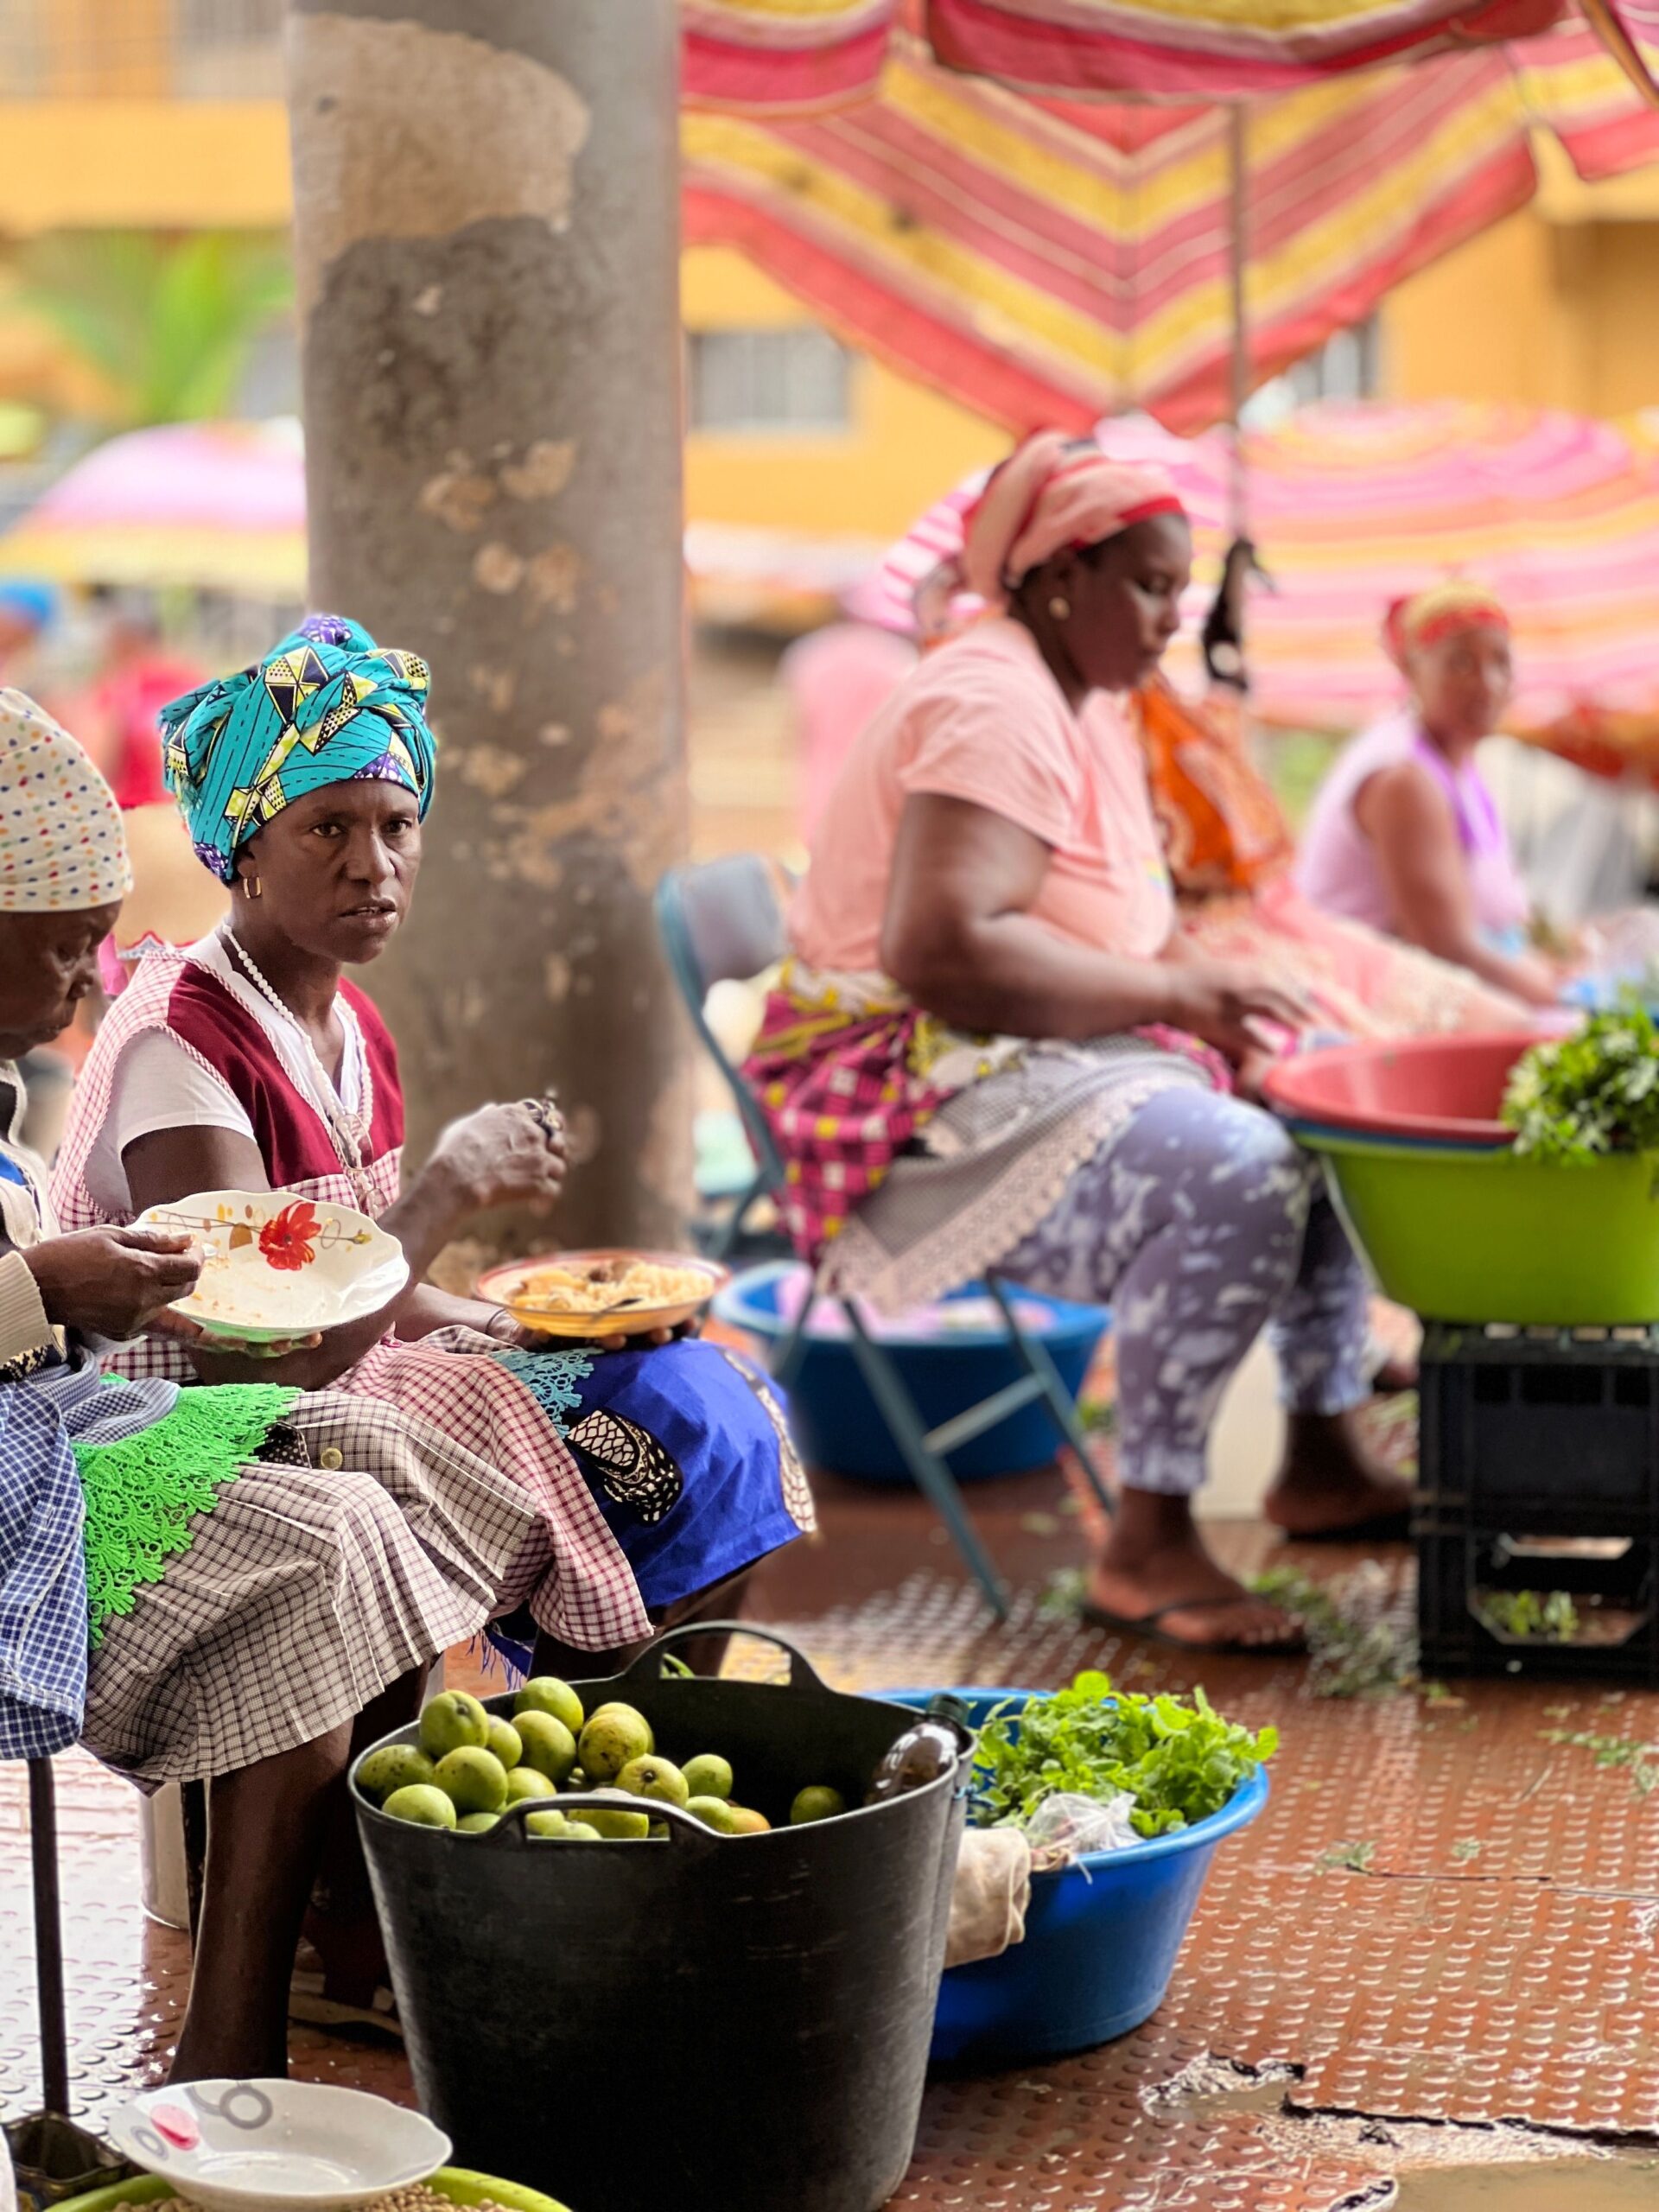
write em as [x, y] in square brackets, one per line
[687, 1449]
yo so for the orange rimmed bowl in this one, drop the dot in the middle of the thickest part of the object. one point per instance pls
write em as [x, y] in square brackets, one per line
[512, 1287]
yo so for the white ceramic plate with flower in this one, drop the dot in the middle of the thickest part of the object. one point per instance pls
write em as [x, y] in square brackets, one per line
[276, 2146]
[275, 1266]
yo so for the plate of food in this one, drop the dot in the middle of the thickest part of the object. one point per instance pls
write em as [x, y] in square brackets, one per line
[275, 1266]
[604, 1293]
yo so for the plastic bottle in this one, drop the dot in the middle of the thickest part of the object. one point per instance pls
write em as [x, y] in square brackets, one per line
[923, 1753]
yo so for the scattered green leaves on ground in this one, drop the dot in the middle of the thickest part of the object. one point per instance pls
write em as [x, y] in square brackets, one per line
[1596, 1091]
[1347, 1858]
[1063, 1599]
[1642, 1759]
[1356, 1648]
[1538, 1616]
[1177, 1757]
[1467, 1848]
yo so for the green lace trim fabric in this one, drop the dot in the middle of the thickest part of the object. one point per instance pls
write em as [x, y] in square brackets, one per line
[143, 1494]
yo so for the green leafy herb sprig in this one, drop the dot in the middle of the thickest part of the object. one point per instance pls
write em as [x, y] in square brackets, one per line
[1177, 1759]
[1573, 1100]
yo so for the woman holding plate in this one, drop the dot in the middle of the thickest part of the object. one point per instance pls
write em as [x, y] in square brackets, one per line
[249, 1062]
[241, 1584]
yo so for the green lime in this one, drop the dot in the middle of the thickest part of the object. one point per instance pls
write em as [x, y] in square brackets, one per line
[505, 1742]
[746, 1821]
[713, 1813]
[708, 1775]
[652, 1777]
[424, 1804]
[615, 1827]
[477, 1823]
[548, 1745]
[548, 1823]
[547, 1693]
[614, 1735]
[451, 1722]
[475, 1778]
[524, 1781]
[582, 1831]
[818, 1803]
[394, 1766]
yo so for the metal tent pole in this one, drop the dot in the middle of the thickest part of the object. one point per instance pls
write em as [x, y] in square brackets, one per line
[1238, 244]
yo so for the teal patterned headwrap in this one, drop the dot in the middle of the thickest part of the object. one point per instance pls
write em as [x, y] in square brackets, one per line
[327, 706]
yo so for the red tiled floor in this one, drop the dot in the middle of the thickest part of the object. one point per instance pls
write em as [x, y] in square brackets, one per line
[1521, 1981]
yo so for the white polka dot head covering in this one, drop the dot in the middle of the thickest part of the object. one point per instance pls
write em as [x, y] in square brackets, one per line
[62, 848]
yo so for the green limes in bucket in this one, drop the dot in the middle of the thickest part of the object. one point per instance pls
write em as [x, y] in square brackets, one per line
[525, 1782]
[505, 1742]
[707, 1776]
[477, 1823]
[747, 1822]
[819, 1803]
[424, 1804]
[548, 1746]
[452, 1721]
[475, 1778]
[582, 1832]
[713, 1813]
[652, 1777]
[394, 1766]
[613, 1735]
[546, 1824]
[547, 1693]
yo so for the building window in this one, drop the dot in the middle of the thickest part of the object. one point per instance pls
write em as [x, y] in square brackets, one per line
[765, 380]
[1349, 366]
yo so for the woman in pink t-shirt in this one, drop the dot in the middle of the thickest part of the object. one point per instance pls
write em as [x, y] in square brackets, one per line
[987, 1053]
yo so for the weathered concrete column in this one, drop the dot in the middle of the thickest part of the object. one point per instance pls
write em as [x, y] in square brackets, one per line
[486, 231]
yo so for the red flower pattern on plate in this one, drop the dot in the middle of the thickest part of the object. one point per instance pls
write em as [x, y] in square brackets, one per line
[287, 1241]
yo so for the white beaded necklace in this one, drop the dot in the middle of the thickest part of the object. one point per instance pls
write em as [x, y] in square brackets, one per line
[347, 1132]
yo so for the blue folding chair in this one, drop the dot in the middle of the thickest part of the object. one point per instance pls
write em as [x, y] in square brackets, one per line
[723, 922]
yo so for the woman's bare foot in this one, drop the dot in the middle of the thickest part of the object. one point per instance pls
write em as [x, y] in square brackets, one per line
[1329, 1482]
[1153, 1563]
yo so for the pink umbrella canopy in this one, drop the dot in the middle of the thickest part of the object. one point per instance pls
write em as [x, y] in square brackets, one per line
[1353, 505]
[212, 505]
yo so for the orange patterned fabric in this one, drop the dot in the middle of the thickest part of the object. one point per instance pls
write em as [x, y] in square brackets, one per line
[1221, 826]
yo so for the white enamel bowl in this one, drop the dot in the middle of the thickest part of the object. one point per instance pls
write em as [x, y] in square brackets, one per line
[276, 1266]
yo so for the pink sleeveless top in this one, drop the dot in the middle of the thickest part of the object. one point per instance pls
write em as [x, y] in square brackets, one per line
[1338, 868]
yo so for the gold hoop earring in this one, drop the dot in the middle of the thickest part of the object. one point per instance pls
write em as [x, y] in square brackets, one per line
[250, 888]
[1060, 607]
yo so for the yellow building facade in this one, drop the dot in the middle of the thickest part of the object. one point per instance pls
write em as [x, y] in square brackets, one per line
[114, 121]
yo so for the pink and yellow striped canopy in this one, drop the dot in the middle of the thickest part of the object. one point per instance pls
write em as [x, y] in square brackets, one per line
[1352, 506]
[1044, 260]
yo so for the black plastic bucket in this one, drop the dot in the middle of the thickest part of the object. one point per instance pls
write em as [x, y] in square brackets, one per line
[739, 2021]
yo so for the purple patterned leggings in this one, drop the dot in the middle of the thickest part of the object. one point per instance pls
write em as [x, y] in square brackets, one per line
[1200, 1223]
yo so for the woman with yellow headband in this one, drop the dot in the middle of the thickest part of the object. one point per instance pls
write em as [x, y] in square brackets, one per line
[1405, 834]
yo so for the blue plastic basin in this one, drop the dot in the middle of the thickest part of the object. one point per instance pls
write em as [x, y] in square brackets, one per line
[1102, 1937]
[836, 1422]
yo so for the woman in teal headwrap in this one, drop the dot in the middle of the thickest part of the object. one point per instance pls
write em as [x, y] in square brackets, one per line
[248, 1062]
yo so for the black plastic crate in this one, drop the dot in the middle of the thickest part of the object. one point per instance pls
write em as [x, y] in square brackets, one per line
[1562, 1421]
[1464, 1574]
[1538, 1472]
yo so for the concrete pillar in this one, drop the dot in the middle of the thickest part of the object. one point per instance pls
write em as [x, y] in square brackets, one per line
[487, 240]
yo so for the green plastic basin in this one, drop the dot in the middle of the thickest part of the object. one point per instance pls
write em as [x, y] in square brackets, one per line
[462, 2188]
[1480, 1236]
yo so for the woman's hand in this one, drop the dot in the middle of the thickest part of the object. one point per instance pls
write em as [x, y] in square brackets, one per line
[503, 1155]
[113, 1282]
[1234, 1007]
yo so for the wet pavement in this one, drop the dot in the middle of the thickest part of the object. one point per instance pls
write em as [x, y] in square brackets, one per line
[1439, 1947]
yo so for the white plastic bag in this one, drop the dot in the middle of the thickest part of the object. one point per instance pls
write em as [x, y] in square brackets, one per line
[1068, 1825]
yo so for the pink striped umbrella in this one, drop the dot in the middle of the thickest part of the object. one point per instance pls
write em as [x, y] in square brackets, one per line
[1352, 506]
[214, 506]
